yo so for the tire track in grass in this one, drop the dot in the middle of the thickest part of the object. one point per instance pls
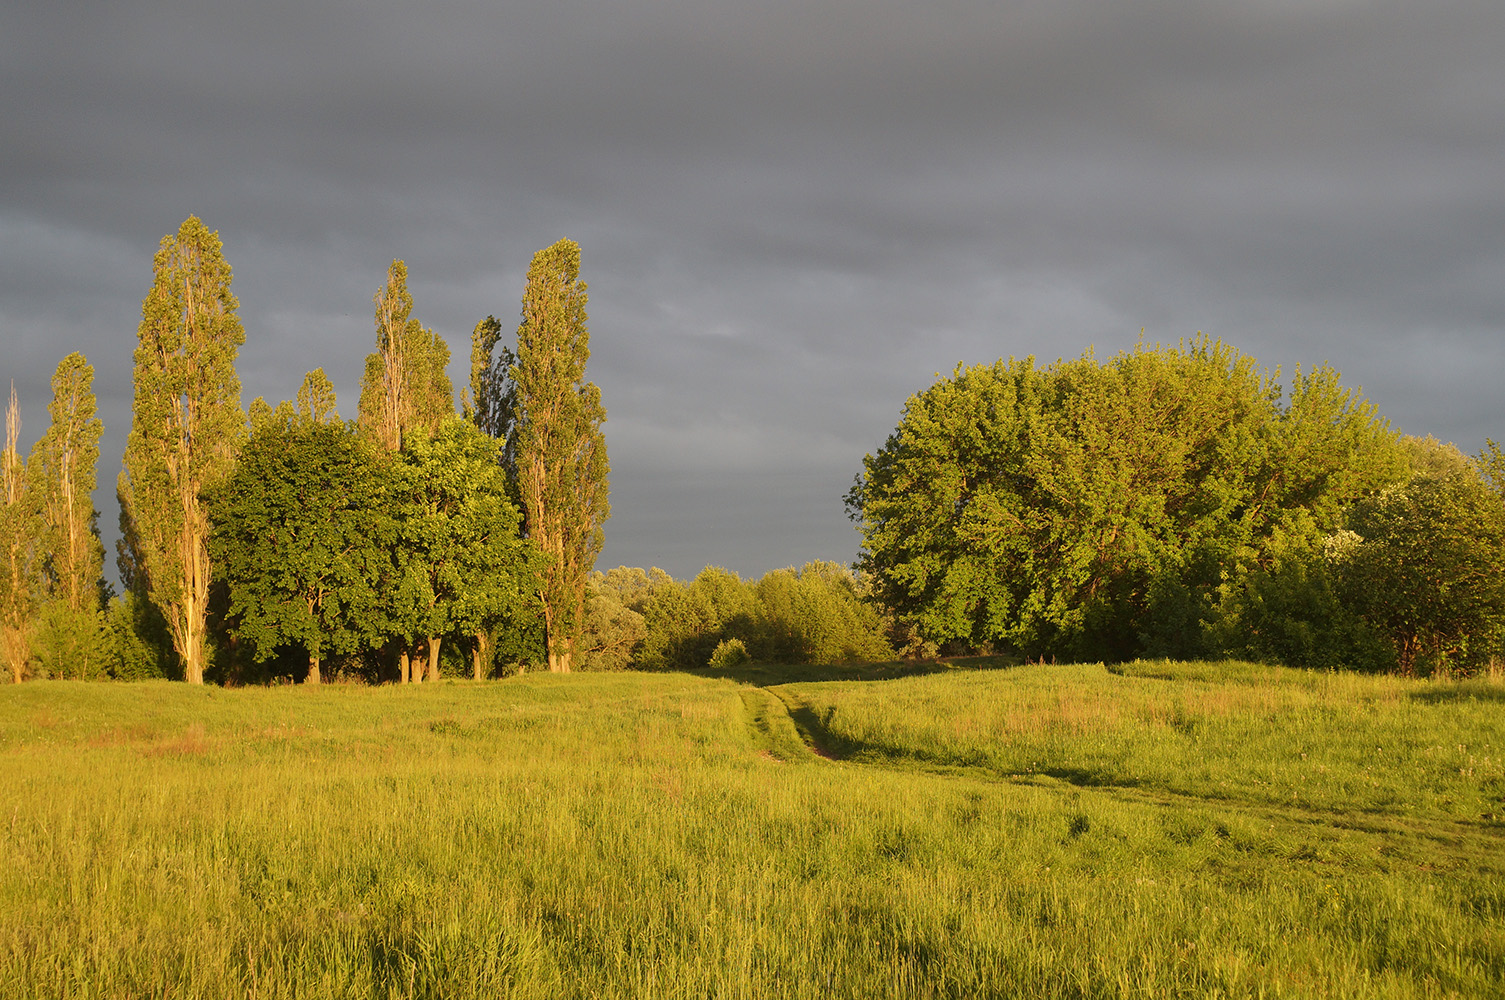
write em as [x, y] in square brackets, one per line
[812, 731]
[774, 728]
[790, 729]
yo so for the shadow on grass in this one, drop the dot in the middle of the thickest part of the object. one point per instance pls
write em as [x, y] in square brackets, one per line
[771, 674]
[1470, 690]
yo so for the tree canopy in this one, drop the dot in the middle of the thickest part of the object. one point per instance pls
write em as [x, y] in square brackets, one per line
[18, 531]
[463, 566]
[1422, 563]
[1096, 510]
[64, 462]
[303, 533]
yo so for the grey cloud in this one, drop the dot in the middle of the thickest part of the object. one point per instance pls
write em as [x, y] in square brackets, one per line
[792, 215]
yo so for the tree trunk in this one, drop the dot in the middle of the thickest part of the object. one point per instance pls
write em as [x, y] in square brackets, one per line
[313, 669]
[14, 641]
[403, 666]
[555, 647]
[1406, 657]
[434, 657]
[478, 655]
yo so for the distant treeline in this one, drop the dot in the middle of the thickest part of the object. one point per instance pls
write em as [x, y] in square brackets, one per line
[647, 619]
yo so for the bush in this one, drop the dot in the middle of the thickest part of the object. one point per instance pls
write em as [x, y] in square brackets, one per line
[69, 644]
[729, 653]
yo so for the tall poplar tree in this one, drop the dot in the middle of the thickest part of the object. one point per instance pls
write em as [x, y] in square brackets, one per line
[405, 387]
[560, 451]
[17, 532]
[316, 399]
[187, 425]
[491, 401]
[66, 459]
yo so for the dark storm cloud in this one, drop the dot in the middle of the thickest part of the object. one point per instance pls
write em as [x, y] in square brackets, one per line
[792, 215]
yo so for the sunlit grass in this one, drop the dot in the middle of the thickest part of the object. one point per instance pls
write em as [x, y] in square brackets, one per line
[1061, 832]
[1234, 731]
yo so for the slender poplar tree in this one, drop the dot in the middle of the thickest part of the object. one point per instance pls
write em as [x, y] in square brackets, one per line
[383, 403]
[187, 425]
[17, 534]
[316, 399]
[66, 459]
[560, 451]
[404, 387]
[491, 401]
[491, 404]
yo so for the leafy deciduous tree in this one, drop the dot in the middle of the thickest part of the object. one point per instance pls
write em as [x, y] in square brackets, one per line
[71, 625]
[1096, 510]
[491, 400]
[1425, 568]
[464, 566]
[316, 399]
[493, 573]
[303, 532]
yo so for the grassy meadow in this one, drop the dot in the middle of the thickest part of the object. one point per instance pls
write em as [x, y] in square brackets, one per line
[1157, 830]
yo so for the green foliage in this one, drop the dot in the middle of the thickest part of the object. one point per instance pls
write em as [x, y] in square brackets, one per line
[334, 546]
[685, 621]
[1289, 610]
[1424, 568]
[139, 642]
[71, 643]
[303, 531]
[186, 429]
[462, 566]
[1491, 463]
[491, 400]
[613, 632]
[1100, 509]
[729, 653]
[816, 615]
[316, 398]
[1429, 457]
[560, 452]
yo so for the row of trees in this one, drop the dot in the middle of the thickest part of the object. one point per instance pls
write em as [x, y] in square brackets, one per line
[1179, 502]
[249, 537]
[1170, 501]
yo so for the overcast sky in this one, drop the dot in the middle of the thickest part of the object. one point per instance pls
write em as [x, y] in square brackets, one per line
[792, 215]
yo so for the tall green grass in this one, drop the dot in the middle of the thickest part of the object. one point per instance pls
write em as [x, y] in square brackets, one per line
[669, 836]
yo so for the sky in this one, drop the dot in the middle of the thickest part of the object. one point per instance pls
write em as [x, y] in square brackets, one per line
[792, 215]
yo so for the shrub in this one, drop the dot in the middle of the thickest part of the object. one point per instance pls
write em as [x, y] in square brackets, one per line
[729, 653]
